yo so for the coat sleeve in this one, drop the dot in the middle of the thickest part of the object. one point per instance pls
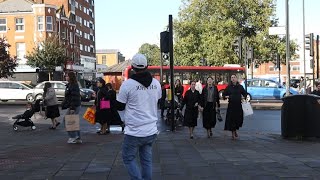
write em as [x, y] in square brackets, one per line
[184, 100]
[226, 92]
[217, 98]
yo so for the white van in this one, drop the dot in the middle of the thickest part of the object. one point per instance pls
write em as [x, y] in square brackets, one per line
[12, 90]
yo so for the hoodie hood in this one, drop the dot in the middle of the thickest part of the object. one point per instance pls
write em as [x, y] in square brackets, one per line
[143, 78]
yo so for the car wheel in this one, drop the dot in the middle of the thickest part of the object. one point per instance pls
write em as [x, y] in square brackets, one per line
[30, 98]
[249, 97]
[4, 100]
[221, 93]
[39, 96]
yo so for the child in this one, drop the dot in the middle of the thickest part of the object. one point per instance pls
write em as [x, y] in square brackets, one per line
[26, 116]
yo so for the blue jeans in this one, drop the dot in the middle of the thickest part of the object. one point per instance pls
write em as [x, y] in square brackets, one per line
[131, 146]
[73, 134]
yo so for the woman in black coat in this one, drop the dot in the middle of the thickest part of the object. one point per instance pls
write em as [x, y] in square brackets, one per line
[178, 89]
[210, 101]
[234, 118]
[191, 100]
[103, 116]
[115, 118]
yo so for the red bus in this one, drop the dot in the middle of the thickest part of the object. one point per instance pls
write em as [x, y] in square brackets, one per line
[221, 75]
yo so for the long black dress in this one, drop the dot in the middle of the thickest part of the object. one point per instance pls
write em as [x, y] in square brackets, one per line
[102, 115]
[234, 118]
[115, 118]
[209, 108]
[191, 112]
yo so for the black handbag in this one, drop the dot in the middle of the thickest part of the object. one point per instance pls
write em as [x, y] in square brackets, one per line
[219, 117]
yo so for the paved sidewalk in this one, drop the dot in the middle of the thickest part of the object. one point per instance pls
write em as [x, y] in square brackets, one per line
[44, 154]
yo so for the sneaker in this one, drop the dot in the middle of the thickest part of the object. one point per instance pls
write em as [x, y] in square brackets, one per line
[71, 141]
[78, 141]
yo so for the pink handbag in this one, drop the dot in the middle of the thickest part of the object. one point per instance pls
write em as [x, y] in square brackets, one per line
[104, 104]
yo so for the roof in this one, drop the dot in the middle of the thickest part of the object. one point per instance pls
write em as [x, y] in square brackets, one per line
[119, 68]
[106, 51]
[9, 6]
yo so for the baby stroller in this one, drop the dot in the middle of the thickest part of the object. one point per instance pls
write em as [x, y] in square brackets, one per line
[24, 120]
[178, 117]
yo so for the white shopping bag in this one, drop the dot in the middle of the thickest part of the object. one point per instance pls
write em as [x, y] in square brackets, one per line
[247, 109]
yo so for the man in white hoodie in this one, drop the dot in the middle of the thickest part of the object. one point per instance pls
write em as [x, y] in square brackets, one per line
[139, 96]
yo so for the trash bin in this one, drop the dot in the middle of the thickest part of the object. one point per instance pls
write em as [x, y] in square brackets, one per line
[300, 116]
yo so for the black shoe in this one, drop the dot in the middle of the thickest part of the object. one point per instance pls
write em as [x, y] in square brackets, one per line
[191, 137]
[211, 134]
[52, 128]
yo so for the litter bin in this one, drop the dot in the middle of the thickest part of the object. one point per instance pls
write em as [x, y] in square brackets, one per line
[300, 116]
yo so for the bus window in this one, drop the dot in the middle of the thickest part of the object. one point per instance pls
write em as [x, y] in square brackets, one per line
[195, 76]
[222, 78]
[176, 76]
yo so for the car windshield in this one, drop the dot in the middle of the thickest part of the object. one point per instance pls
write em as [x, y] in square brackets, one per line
[29, 86]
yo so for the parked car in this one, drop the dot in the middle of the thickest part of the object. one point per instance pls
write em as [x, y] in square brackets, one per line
[12, 90]
[294, 83]
[60, 86]
[266, 89]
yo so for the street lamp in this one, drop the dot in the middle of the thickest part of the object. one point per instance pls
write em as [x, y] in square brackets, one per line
[287, 49]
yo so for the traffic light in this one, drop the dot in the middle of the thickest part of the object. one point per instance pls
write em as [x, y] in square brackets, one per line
[237, 46]
[309, 38]
[250, 53]
[164, 42]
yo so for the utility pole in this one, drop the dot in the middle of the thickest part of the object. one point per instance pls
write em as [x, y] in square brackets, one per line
[317, 56]
[287, 49]
[304, 47]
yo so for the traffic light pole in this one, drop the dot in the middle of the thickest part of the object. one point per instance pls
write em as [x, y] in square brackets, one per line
[161, 64]
[171, 72]
[304, 47]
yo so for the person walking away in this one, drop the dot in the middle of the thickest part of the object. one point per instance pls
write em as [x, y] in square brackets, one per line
[51, 103]
[301, 85]
[192, 100]
[115, 118]
[139, 96]
[317, 90]
[308, 85]
[210, 102]
[234, 117]
[178, 90]
[103, 114]
[72, 103]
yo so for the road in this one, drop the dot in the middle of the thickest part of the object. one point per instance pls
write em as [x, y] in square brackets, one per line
[261, 121]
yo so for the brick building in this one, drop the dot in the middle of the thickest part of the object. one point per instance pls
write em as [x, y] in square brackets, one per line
[25, 23]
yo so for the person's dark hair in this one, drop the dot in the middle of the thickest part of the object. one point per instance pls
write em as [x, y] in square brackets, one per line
[72, 78]
[47, 85]
[191, 81]
[109, 86]
[139, 70]
[102, 81]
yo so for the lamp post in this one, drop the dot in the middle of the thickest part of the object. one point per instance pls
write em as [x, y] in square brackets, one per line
[304, 47]
[287, 49]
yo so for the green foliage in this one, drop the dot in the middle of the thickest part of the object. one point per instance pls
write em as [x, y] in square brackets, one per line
[152, 53]
[207, 29]
[7, 63]
[48, 55]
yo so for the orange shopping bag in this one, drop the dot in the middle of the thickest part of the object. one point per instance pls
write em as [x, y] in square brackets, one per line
[89, 115]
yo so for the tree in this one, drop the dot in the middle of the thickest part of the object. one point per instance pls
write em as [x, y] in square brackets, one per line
[7, 63]
[152, 53]
[207, 29]
[48, 55]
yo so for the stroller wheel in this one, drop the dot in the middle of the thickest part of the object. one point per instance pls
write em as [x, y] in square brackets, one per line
[33, 127]
[15, 128]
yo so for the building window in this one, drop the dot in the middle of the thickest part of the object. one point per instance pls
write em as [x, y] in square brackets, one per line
[21, 51]
[85, 48]
[84, 9]
[272, 68]
[91, 38]
[104, 59]
[40, 23]
[81, 47]
[77, 5]
[88, 11]
[81, 33]
[295, 68]
[49, 23]
[71, 38]
[19, 24]
[80, 7]
[3, 24]
[91, 49]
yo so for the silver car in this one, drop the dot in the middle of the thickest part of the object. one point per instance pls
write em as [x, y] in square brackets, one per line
[59, 87]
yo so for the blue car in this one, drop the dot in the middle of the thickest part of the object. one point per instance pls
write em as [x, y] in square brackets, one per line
[266, 89]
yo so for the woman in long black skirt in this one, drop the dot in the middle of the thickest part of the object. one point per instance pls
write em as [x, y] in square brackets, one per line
[191, 100]
[209, 101]
[115, 119]
[234, 118]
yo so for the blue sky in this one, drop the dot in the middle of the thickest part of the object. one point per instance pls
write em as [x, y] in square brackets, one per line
[127, 24]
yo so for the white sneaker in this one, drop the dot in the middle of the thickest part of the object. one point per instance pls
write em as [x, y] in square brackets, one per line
[71, 141]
